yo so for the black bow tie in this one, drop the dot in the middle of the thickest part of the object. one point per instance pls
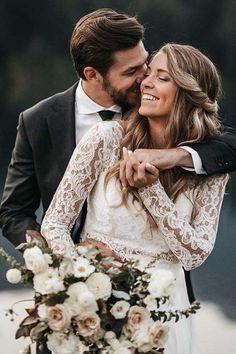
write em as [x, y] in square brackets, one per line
[106, 114]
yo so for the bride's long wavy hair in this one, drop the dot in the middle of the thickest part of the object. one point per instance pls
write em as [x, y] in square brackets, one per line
[194, 116]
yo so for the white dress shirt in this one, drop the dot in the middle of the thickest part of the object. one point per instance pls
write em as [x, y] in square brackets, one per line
[86, 115]
[86, 112]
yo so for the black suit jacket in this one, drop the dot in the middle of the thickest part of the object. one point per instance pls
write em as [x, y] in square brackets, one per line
[44, 144]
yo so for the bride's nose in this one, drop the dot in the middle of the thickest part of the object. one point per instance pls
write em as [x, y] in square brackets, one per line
[147, 82]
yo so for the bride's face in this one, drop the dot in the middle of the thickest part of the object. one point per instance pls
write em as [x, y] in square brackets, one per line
[158, 89]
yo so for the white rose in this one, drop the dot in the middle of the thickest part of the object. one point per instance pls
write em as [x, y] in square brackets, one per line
[48, 282]
[80, 298]
[141, 341]
[120, 309]
[61, 343]
[58, 317]
[82, 268]
[13, 276]
[88, 323]
[158, 334]
[122, 350]
[123, 347]
[75, 289]
[138, 317]
[161, 283]
[35, 260]
[100, 285]
[87, 299]
[110, 335]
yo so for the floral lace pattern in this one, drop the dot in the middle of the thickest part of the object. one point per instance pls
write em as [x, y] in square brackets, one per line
[126, 230]
[88, 160]
[192, 241]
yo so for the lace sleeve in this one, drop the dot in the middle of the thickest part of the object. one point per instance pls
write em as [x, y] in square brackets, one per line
[190, 242]
[81, 174]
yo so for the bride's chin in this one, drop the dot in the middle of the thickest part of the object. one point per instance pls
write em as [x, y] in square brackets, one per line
[142, 111]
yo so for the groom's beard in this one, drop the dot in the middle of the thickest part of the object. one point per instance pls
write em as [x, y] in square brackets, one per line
[125, 99]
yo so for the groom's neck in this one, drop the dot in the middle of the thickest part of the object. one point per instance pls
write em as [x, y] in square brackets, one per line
[95, 91]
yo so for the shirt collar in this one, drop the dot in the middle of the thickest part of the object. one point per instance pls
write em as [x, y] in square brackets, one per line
[85, 105]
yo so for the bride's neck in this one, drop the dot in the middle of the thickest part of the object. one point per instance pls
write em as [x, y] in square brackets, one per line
[157, 132]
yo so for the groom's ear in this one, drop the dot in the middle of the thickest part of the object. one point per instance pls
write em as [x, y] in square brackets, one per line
[92, 74]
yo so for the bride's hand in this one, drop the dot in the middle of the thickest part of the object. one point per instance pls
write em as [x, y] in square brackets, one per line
[104, 250]
[136, 174]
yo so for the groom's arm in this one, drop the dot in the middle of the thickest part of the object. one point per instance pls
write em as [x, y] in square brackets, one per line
[21, 196]
[218, 155]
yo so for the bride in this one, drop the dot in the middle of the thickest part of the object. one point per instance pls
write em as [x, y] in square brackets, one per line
[168, 217]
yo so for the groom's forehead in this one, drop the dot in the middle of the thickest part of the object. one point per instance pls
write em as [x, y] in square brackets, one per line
[130, 58]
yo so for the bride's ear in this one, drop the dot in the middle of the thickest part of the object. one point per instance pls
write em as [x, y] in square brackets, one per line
[92, 74]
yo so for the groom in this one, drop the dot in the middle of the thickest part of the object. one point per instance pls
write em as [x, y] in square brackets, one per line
[110, 60]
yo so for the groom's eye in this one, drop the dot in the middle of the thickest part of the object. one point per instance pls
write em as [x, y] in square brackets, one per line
[131, 72]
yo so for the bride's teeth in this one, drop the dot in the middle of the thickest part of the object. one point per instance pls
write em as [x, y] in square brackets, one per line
[149, 97]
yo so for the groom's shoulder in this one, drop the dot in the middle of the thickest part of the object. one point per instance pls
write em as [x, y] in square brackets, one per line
[46, 106]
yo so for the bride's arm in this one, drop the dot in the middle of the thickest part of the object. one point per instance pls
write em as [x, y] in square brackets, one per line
[80, 176]
[190, 242]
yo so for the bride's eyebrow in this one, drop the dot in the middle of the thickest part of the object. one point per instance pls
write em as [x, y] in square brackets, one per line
[159, 71]
[163, 71]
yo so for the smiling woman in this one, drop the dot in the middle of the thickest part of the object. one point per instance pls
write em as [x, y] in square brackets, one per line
[158, 91]
[169, 220]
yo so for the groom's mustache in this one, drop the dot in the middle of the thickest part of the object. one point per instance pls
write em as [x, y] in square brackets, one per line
[134, 88]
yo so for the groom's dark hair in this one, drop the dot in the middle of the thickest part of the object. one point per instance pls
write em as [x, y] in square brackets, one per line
[98, 35]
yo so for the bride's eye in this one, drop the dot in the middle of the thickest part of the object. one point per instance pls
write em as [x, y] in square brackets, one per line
[163, 78]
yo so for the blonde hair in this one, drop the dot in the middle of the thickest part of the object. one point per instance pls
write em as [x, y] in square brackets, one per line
[194, 115]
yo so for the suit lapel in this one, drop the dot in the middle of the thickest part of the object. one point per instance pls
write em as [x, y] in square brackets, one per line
[61, 125]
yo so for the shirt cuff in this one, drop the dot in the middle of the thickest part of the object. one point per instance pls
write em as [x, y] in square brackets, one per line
[197, 162]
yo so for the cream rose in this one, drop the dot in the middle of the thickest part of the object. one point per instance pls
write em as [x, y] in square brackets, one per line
[158, 334]
[141, 341]
[88, 323]
[58, 317]
[120, 309]
[13, 276]
[35, 260]
[100, 285]
[138, 317]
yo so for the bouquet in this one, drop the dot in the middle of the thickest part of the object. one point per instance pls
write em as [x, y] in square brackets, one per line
[90, 305]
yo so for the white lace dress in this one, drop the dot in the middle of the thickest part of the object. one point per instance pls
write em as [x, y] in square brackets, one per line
[186, 229]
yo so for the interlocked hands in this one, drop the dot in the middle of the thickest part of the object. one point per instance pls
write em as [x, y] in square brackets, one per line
[141, 167]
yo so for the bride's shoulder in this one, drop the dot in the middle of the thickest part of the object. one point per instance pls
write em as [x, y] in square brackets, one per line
[108, 130]
[114, 126]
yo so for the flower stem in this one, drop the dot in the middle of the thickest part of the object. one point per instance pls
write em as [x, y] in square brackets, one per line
[10, 260]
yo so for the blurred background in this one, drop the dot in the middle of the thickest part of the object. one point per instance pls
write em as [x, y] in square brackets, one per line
[35, 63]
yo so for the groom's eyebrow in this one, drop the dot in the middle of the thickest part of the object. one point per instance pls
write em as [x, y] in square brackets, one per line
[130, 68]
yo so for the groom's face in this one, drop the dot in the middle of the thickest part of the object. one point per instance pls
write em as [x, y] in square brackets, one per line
[123, 79]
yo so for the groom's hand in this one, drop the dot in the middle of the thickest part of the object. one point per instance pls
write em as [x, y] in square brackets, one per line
[164, 159]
